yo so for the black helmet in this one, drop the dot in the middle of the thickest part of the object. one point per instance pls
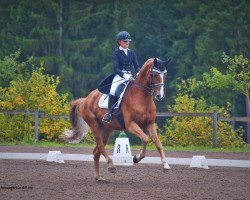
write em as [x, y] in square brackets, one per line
[123, 35]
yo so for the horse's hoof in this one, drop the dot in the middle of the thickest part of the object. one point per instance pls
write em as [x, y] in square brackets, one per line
[135, 159]
[100, 179]
[112, 169]
[166, 170]
[166, 167]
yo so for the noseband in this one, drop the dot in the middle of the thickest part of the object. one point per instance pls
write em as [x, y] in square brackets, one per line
[152, 84]
[151, 88]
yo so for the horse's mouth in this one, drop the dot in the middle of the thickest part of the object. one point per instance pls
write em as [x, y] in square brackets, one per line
[159, 97]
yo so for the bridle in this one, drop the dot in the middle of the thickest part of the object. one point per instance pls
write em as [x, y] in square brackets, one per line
[152, 85]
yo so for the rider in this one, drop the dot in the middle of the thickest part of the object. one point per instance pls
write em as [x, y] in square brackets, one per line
[123, 58]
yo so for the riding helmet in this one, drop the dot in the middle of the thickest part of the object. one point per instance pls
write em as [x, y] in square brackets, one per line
[123, 35]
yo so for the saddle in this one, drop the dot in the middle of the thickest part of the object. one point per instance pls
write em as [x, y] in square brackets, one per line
[103, 102]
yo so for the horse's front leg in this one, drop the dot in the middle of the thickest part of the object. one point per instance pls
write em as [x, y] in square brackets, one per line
[136, 130]
[153, 135]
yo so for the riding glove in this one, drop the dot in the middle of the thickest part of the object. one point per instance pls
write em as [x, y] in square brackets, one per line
[128, 77]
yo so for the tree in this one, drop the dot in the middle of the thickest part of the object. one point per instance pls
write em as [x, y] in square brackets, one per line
[203, 30]
[236, 77]
[75, 39]
[88, 43]
[11, 69]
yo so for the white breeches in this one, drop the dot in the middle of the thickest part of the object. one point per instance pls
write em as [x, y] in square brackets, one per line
[115, 83]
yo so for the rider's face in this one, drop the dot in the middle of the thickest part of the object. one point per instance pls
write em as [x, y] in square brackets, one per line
[124, 44]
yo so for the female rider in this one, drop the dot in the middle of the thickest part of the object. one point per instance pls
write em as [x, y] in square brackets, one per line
[123, 59]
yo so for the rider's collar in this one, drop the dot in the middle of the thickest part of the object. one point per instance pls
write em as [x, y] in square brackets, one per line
[123, 49]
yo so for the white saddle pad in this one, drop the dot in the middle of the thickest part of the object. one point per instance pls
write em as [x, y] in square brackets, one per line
[104, 100]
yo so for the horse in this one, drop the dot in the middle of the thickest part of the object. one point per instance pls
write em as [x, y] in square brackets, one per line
[137, 108]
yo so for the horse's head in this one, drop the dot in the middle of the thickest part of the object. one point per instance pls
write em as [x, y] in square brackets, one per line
[158, 74]
[154, 73]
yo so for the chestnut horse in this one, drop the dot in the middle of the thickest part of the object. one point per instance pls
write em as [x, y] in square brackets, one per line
[138, 110]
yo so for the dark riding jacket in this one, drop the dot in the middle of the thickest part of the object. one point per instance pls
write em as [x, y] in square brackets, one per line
[121, 61]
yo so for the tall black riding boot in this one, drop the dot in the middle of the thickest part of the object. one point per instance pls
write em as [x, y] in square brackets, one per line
[108, 116]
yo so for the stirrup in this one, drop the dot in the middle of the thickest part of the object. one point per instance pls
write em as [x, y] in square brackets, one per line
[107, 118]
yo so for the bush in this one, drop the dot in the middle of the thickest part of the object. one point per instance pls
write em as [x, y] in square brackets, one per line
[27, 93]
[197, 131]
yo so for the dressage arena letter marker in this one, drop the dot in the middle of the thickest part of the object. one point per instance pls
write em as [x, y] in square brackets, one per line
[122, 152]
[118, 149]
[197, 162]
[53, 156]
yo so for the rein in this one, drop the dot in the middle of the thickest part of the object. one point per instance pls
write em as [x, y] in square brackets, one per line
[145, 88]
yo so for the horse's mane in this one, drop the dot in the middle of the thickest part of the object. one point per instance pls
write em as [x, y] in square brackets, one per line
[146, 66]
[148, 62]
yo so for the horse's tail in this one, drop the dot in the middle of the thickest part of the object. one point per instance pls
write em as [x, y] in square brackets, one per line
[80, 127]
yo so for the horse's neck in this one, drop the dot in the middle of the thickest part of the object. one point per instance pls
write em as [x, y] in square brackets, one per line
[138, 97]
[139, 101]
[140, 89]
[141, 83]
[139, 93]
[141, 78]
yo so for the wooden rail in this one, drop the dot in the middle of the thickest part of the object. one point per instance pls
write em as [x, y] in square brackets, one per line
[36, 114]
[215, 117]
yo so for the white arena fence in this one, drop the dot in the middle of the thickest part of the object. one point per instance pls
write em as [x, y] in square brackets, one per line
[195, 161]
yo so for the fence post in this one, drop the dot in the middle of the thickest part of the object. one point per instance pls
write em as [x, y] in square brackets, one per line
[36, 123]
[215, 126]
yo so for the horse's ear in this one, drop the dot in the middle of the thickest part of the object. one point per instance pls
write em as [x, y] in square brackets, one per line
[155, 62]
[167, 61]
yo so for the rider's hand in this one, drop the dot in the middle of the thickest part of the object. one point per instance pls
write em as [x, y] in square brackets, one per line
[127, 76]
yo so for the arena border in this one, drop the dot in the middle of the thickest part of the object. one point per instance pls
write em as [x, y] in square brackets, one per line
[195, 161]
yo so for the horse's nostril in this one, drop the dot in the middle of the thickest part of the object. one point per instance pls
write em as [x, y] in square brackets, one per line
[157, 97]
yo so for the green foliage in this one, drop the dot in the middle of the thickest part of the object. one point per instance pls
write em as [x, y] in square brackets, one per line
[205, 30]
[89, 138]
[27, 93]
[236, 76]
[76, 38]
[11, 68]
[122, 135]
[197, 131]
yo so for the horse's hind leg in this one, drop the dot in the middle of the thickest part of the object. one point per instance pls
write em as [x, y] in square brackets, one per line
[101, 138]
[97, 155]
[105, 136]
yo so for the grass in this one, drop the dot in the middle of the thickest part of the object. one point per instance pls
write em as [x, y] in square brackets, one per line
[245, 149]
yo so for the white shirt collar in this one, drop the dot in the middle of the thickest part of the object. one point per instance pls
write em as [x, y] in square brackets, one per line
[125, 50]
